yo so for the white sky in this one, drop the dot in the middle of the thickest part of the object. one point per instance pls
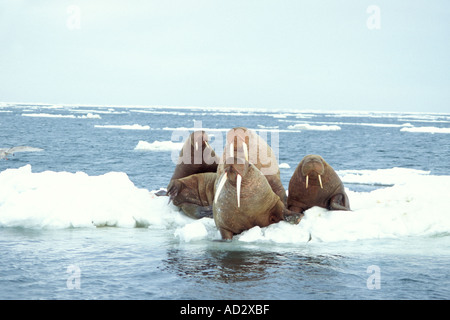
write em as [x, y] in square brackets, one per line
[315, 54]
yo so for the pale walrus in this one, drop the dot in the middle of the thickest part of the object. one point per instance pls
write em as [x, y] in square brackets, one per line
[193, 194]
[243, 199]
[254, 149]
[315, 183]
[196, 156]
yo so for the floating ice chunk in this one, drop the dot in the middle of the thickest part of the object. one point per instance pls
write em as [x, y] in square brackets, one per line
[158, 145]
[62, 199]
[193, 231]
[90, 116]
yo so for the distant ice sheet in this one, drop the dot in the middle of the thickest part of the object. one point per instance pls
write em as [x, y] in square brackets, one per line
[338, 124]
[71, 116]
[381, 177]
[426, 129]
[48, 115]
[124, 127]
[306, 126]
[158, 146]
[208, 130]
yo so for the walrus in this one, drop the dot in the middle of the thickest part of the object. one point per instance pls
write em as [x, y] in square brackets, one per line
[255, 150]
[243, 199]
[193, 194]
[196, 156]
[315, 183]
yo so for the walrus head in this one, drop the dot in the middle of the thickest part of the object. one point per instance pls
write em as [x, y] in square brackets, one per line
[199, 139]
[238, 140]
[234, 169]
[313, 166]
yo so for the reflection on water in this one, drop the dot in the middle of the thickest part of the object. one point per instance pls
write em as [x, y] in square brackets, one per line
[222, 266]
[258, 273]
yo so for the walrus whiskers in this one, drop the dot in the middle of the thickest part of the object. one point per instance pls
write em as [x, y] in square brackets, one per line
[307, 179]
[220, 187]
[320, 181]
[238, 189]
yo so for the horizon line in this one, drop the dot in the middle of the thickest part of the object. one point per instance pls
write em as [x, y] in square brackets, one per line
[227, 108]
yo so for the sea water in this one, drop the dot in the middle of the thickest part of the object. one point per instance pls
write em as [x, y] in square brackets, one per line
[79, 219]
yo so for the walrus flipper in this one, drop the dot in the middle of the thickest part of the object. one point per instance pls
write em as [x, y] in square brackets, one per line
[161, 193]
[197, 212]
[173, 189]
[204, 212]
[292, 217]
[339, 202]
[226, 234]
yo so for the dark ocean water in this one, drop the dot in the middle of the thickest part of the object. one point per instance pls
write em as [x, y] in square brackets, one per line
[54, 250]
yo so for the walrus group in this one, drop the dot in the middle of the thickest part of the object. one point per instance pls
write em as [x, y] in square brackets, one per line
[242, 189]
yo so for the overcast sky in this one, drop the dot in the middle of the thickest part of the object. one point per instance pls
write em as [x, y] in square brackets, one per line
[318, 54]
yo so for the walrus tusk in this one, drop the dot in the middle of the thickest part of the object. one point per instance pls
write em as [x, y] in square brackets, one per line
[307, 179]
[320, 181]
[196, 145]
[238, 189]
[221, 184]
[245, 151]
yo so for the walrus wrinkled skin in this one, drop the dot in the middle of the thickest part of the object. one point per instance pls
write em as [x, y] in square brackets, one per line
[247, 144]
[196, 156]
[193, 194]
[244, 199]
[315, 183]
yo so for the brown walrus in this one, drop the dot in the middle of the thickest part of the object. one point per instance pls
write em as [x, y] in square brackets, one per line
[254, 149]
[244, 199]
[315, 183]
[193, 194]
[196, 156]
